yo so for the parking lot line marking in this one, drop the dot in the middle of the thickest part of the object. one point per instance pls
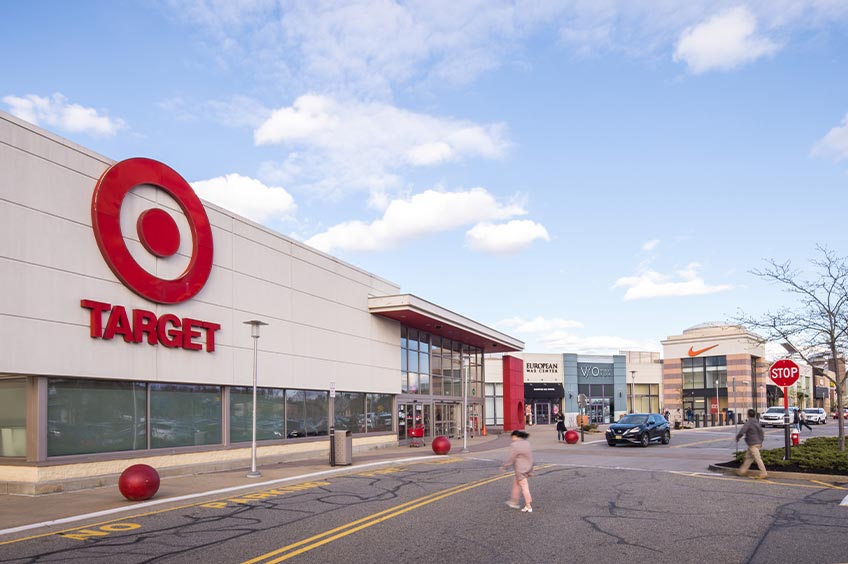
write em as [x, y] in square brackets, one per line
[765, 481]
[143, 504]
[835, 487]
[305, 545]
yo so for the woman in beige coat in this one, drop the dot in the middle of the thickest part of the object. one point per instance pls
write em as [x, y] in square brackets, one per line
[521, 459]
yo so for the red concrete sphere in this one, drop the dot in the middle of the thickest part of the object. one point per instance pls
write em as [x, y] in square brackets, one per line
[139, 482]
[441, 445]
[571, 437]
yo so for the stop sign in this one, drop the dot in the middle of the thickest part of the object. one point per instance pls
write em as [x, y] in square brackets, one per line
[784, 372]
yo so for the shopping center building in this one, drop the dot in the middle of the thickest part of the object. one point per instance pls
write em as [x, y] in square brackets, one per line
[545, 384]
[713, 367]
[124, 333]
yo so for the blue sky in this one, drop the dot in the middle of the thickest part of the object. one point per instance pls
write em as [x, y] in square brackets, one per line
[587, 176]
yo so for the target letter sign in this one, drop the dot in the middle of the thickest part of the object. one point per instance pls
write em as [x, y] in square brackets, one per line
[160, 236]
[784, 373]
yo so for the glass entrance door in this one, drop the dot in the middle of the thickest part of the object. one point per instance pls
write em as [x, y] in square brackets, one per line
[414, 416]
[599, 410]
[542, 413]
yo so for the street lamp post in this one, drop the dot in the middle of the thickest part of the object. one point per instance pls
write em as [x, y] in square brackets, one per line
[465, 374]
[633, 392]
[255, 324]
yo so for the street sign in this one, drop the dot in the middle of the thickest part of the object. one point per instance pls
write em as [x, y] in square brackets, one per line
[581, 400]
[784, 372]
[332, 389]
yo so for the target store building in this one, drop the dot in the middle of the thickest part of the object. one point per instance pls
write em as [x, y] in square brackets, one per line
[124, 334]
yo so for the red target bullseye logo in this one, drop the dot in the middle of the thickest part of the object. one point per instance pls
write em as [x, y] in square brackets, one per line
[157, 230]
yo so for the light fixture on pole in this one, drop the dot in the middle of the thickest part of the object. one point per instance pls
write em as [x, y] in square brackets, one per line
[255, 324]
[633, 392]
[465, 374]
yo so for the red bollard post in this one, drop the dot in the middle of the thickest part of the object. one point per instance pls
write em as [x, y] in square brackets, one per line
[139, 482]
[441, 445]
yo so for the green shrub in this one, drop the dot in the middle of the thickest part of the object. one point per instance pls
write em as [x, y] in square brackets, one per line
[814, 454]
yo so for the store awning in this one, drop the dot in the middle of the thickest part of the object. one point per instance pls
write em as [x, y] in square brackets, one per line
[420, 314]
[538, 390]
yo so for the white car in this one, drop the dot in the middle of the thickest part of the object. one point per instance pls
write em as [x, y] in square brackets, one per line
[815, 415]
[773, 416]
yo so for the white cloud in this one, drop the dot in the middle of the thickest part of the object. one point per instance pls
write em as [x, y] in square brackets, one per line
[537, 325]
[505, 238]
[723, 42]
[652, 284]
[247, 197]
[57, 112]
[650, 245]
[551, 335]
[561, 341]
[835, 144]
[423, 214]
[348, 145]
[341, 46]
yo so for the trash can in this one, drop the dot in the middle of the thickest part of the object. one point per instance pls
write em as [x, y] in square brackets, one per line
[341, 448]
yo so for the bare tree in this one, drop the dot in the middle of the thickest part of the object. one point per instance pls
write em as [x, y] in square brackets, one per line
[817, 324]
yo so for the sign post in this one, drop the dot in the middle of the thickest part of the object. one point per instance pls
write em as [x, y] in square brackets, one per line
[581, 401]
[784, 373]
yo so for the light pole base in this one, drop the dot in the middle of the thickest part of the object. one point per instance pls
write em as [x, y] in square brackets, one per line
[256, 474]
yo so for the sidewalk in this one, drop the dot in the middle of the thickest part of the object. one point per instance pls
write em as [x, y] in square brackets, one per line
[55, 511]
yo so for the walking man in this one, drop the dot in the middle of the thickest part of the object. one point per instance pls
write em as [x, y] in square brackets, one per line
[754, 436]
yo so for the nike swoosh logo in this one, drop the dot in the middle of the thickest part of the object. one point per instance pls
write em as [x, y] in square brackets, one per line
[700, 351]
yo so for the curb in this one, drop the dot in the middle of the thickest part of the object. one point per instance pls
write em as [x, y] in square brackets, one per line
[801, 476]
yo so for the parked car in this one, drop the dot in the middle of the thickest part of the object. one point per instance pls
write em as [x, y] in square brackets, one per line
[815, 415]
[844, 414]
[773, 416]
[639, 428]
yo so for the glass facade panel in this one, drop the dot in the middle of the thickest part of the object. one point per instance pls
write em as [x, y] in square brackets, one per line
[270, 414]
[306, 413]
[13, 414]
[295, 414]
[89, 416]
[379, 408]
[184, 415]
[350, 411]
[317, 412]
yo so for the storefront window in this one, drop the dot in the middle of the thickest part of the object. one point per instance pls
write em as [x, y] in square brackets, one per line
[306, 413]
[270, 410]
[89, 416]
[184, 415]
[379, 410]
[350, 411]
[13, 417]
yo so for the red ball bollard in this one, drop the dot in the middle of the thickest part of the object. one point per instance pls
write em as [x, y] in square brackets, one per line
[441, 445]
[139, 482]
[572, 436]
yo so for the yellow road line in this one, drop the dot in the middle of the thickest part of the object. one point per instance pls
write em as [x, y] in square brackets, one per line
[765, 481]
[365, 522]
[327, 537]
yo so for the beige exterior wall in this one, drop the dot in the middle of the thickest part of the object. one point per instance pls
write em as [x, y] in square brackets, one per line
[739, 346]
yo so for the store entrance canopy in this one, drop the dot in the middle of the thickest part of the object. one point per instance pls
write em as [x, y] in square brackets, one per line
[420, 314]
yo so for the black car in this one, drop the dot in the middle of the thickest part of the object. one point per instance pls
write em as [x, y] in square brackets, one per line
[640, 429]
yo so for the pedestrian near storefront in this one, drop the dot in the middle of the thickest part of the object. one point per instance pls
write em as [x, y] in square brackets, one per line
[754, 437]
[560, 426]
[802, 420]
[521, 460]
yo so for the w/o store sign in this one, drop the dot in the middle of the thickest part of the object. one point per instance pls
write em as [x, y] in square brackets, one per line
[159, 235]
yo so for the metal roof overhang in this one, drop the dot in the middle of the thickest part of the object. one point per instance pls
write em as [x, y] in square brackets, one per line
[420, 314]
